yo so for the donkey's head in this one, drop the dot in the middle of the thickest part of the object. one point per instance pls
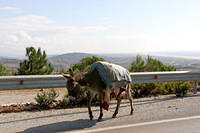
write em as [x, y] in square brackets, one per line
[72, 86]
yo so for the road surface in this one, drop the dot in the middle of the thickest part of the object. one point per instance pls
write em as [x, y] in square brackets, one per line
[153, 115]
[177, 125]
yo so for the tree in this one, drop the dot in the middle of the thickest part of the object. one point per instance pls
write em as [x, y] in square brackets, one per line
[85, 64]
[137, 65]
[3, 70]
[150, 65]
[154, 65]
[35, 64]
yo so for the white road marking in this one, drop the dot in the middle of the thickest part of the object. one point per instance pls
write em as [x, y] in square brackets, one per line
[136, 124]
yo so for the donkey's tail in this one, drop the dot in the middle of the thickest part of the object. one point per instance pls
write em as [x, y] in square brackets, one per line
[129, 91]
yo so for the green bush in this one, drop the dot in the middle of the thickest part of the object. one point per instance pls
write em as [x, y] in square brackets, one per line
[142, 89]
[163, 88]
[181, 88]
[82, 98]
[198, 82]
[44, 99]
[65, 101]
[3, 70]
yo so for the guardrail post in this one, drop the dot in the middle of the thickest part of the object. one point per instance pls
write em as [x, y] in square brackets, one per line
[195, 86]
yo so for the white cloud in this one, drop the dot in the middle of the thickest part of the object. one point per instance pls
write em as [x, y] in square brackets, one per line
[31, 30]
[31, 20]
[39, 31]
[25, 35]
[10, 8]
[13, 38]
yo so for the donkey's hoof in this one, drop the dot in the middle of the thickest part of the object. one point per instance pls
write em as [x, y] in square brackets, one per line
[131, 113]
[91, 117]
[114, 116]
[100, 119]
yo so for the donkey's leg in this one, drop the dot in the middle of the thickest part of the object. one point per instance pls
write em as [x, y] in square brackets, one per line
[101, 107]
[117, 108]
[130, 97]
[90, 97]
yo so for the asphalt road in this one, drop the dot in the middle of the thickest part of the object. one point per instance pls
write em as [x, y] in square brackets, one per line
[153, 115]
[178, 125]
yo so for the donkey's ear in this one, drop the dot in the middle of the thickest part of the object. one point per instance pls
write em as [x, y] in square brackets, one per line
[67, 76]
[71, 72]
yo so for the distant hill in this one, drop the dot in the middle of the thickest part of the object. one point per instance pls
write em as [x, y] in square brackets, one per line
[64, 60]
[181, 63]
[11, 63]
[125, 60]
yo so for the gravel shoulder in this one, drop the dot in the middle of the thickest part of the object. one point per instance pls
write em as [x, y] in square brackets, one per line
[8, 97]
[64, 120]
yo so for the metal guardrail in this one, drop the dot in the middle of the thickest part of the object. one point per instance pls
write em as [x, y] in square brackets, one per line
[165, 76]
[58, 81]
[32, 82]
[143, 77]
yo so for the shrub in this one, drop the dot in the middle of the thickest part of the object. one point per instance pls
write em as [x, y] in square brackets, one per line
[65, 101]
[142, 89]
[44, 99]
[3, 70]
[82, 98]
[181, 88]
[163, 88]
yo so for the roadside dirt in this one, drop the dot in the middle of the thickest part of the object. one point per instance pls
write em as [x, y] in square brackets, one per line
[23, 100]
[32, 91]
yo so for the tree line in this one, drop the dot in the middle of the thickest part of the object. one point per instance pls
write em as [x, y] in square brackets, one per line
[37, 64]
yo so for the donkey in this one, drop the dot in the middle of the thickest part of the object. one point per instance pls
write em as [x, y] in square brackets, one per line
[97, 86]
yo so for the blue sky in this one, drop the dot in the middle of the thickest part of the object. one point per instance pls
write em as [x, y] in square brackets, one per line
[99, 26]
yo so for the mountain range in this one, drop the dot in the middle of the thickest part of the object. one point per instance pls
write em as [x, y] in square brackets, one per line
[125, 60]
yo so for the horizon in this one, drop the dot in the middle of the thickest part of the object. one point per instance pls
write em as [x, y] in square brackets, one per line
[89, 26]
[178, 54]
